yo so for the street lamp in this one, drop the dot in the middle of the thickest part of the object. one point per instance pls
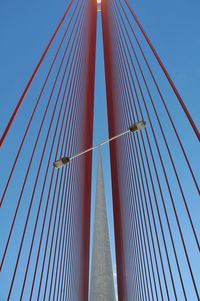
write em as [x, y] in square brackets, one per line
[133, 128]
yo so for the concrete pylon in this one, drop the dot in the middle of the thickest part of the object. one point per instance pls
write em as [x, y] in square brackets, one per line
[102, 280]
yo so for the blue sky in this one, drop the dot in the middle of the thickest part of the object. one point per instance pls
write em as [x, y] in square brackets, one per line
[26, 27]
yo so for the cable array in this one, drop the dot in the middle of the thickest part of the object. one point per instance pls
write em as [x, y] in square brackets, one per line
[45, 213]
[154, 173]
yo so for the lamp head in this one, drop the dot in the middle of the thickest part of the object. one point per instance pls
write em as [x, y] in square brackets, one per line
[61, 162]
[137, 126]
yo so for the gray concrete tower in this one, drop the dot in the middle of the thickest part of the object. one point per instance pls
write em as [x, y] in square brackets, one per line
[102, 280]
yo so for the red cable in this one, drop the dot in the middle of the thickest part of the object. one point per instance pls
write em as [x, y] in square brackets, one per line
[30, 206]
[45, 183]
[160, 259]
[187, 259]
[161, 194]
[35, 108]
[53, 268]
[145, 221]
[49, 192]
[33, 77]
[122, 293]
[48, 264]
[156, 259]
[159, 91]
[168, 149]
[33, 152]
[165, 72]
[65, 234]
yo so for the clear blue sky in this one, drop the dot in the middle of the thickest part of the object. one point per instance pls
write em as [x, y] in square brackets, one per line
[26, 27]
